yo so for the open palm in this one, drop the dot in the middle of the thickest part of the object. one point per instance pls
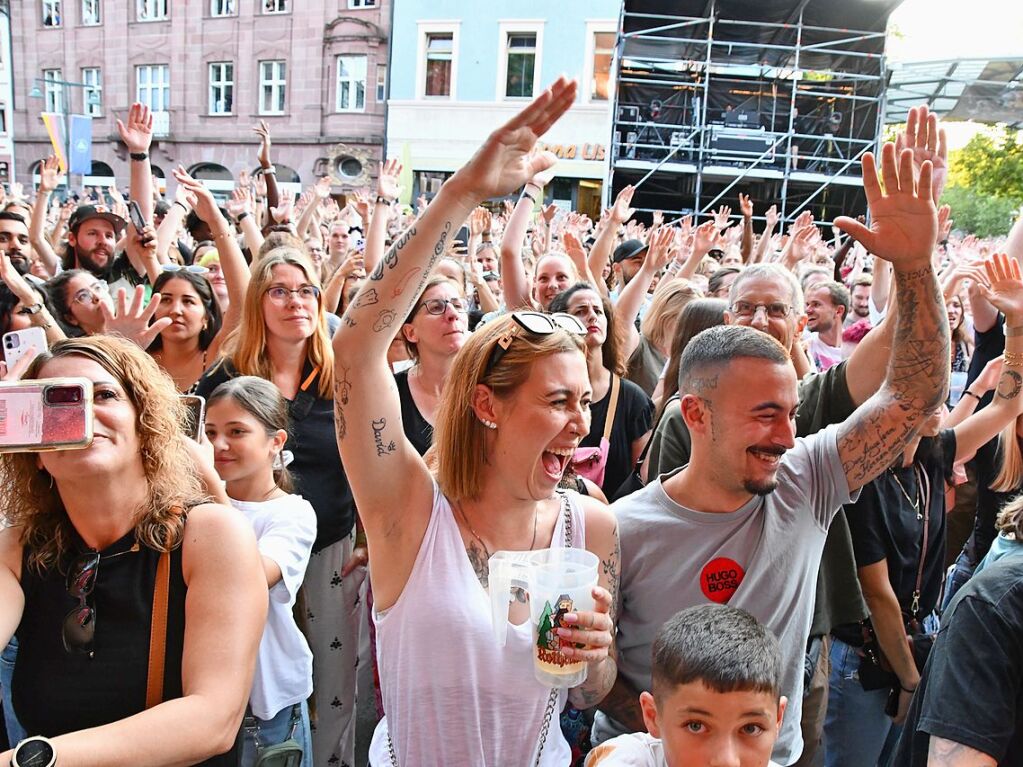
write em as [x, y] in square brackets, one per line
[1006, 291]
[904, 221]
[505, 161]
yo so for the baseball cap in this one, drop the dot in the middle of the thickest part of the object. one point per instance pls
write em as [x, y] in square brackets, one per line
[85, 212]
[628, 249]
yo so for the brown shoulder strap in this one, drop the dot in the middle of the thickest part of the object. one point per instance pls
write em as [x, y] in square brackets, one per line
[612, 406]
[158, 632]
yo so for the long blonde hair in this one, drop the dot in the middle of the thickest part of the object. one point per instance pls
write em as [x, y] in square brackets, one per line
[459, 437]
[31, 500]
[659, 322]
[1010, 460]
[246, 346]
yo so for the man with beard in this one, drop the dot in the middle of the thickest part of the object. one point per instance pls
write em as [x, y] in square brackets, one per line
[745, 521]
[14, 241]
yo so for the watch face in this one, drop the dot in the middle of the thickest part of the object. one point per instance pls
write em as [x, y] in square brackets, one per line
[34, 753]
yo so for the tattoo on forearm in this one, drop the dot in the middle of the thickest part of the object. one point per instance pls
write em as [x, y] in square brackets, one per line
[367, 297]
[390, 259]
[340, 425]
[403, 281]
[942, 752]
[384, 320]
[1009, 384]
[378, 438]
[348, 321]
[479, 563]
[610, 568]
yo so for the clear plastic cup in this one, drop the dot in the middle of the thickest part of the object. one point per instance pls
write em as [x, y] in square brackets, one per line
[560, 581]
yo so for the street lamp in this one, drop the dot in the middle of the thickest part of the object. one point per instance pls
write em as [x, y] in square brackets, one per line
[92, 99]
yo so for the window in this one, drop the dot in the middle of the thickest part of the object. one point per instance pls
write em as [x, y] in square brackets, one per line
[272, 86]
[439, 51]
[362, 3]
[521, 61]
[53, 92]
[603, 52]
[381, 83]
[152, 86]
[90, 13]
[222, 8]
[275, 6]
[351, 83]
[221, 88]
[92, 96]
[52, 15]
[150, 10]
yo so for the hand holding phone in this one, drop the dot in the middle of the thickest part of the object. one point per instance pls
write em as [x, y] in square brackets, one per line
[195, 417]
[45, 414]
[18, 342]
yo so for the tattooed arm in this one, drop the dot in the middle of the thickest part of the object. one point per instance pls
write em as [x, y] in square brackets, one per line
[903, 228]
[1006, 295]
[948, 753]
[390, 482]
[602, 540]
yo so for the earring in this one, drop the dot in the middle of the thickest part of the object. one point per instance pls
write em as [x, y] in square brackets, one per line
[488, 424]
[277, 464]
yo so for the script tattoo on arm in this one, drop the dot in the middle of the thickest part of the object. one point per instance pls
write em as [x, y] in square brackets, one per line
[917, 379]
[383, 448]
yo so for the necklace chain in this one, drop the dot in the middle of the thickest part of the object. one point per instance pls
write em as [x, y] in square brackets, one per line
[915, 504]
[476, 535]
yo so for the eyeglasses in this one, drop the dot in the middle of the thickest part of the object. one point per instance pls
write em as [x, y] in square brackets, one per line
[79, 627]
[193, 268]
[98, 289]
[281, 295]
[777, 310]
[440, 305]
[536, 323]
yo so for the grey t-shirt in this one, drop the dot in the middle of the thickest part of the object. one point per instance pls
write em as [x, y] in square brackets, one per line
[762, 558]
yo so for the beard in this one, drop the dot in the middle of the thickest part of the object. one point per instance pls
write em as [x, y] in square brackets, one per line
[20, 263]
[762, 488]
[99, 264]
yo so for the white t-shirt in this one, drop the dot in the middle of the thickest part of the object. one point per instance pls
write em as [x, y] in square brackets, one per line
[285, 529]
[637, 749]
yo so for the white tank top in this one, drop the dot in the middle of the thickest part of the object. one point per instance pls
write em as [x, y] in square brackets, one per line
[451, 695]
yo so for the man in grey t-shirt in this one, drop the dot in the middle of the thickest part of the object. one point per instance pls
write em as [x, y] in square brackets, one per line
[744, 522]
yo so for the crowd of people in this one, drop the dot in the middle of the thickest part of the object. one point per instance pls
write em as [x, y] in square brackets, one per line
[758, 435]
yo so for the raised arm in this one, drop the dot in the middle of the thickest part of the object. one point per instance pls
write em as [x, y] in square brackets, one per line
[632, 295]
[514, 282]
[746, 243]
[904, 225]
[137, 134]
[619, 213]
[760, 254]
[269, 173]
[49, 178]
[390, 482]
[387, 192]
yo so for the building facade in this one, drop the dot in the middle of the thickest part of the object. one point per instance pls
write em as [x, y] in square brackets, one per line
[460, 69]
[315, 70]
[6, 142]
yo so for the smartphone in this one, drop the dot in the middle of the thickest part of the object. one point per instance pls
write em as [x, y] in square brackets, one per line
[17, 343]
[195, 415]
[135, 214]
[45, 414]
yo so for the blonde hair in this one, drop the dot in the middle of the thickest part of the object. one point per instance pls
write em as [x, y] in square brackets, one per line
[459, 436]
[658, 325]
[246, 346]
[31, 500]
[1010, 460]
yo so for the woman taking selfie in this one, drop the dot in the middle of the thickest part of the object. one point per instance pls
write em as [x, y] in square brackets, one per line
[95, 536]
[513, 411]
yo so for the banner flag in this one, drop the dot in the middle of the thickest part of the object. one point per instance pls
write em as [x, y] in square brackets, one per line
[81, 144]
[54, 123]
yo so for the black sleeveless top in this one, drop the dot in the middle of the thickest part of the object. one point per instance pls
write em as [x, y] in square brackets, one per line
[56, 692]
[417, 429]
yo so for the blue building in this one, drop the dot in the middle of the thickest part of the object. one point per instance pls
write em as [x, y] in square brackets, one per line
[459, 69]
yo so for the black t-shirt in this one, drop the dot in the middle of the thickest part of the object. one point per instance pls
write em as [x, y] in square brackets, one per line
[319, 476]
[885, 526]
[417, 429]
[989, 344]
[633, 419]
[971, 691]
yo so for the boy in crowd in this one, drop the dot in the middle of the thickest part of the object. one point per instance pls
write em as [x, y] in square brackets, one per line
[716, 695]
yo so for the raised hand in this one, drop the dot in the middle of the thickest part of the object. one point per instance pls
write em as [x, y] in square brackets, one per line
[1006, 291]
[904, 221]
[263, 131]
[282, 213]
[544, 177]
[17, 190]
[573, 247]
[506, 161]
[659, 245]
[745, 206]
[132, 321]
[198, 197]
[18, 285]
[621, 211]
[479, 222]
[361, 203]
[721, 217]
[928, 143]
[387, 181]
[772, 217]
[137, 133]
[705, 238]
[240, 202]
[944, 223]
[657, 219]
[548, 212]
[51, 175]
[988, 378]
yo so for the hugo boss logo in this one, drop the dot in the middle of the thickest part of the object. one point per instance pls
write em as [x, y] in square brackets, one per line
[720, 579]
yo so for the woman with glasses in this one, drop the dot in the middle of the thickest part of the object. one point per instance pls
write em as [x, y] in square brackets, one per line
[433, 332]
[510, 417]
[282, 336]
[91, 532]
[210, 260]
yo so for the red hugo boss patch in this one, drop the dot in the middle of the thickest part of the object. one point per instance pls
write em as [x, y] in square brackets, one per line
[720, 578]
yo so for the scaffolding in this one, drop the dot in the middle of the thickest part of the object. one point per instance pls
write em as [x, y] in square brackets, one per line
[779, 100]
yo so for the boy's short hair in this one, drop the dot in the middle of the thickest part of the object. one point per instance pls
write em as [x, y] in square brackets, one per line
[725, 648]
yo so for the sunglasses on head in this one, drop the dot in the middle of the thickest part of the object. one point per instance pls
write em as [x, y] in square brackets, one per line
[537, 323]
[193, 268]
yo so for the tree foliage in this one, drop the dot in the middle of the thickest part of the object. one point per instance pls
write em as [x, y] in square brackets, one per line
[981, 214]
[985, 188]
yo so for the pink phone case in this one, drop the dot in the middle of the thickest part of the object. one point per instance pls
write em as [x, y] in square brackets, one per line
[45, 414]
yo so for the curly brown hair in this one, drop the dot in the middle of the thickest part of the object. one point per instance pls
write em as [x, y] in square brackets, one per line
[31, 500]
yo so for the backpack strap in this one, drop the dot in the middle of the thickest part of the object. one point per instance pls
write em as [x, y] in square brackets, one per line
[158, 632]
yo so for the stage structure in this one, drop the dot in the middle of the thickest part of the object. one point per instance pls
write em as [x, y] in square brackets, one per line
[773, 98]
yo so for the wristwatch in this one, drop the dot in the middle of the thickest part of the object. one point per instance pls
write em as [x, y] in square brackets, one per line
[36, 751]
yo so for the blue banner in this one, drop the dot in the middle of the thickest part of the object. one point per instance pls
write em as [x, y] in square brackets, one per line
[81, 144]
